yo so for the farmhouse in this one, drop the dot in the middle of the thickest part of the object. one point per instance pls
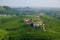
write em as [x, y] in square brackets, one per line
[29, 22]
[34, 24]
[37, 23]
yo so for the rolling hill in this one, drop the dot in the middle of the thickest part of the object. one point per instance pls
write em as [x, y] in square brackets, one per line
[18, 30]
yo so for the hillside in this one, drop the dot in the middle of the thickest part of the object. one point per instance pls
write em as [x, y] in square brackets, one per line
[18, 30]
[7, 10]
[55, 12]
[16, 11]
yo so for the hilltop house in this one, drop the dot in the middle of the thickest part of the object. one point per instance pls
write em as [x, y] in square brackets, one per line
[34, 24]
[37, 23]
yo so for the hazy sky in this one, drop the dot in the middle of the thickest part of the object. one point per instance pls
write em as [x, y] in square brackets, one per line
[30, 3]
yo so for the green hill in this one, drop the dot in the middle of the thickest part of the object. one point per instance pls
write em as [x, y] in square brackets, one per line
[6, 10]
[18, 30]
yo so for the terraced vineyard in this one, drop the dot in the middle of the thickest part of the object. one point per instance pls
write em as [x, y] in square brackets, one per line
[16, 29]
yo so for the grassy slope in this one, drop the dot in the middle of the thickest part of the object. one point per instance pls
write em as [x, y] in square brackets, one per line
[16, 28]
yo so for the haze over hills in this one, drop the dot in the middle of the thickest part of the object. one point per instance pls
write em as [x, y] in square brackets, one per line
[30, 11]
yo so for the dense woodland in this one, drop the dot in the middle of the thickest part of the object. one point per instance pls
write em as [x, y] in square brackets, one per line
[13, 27]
